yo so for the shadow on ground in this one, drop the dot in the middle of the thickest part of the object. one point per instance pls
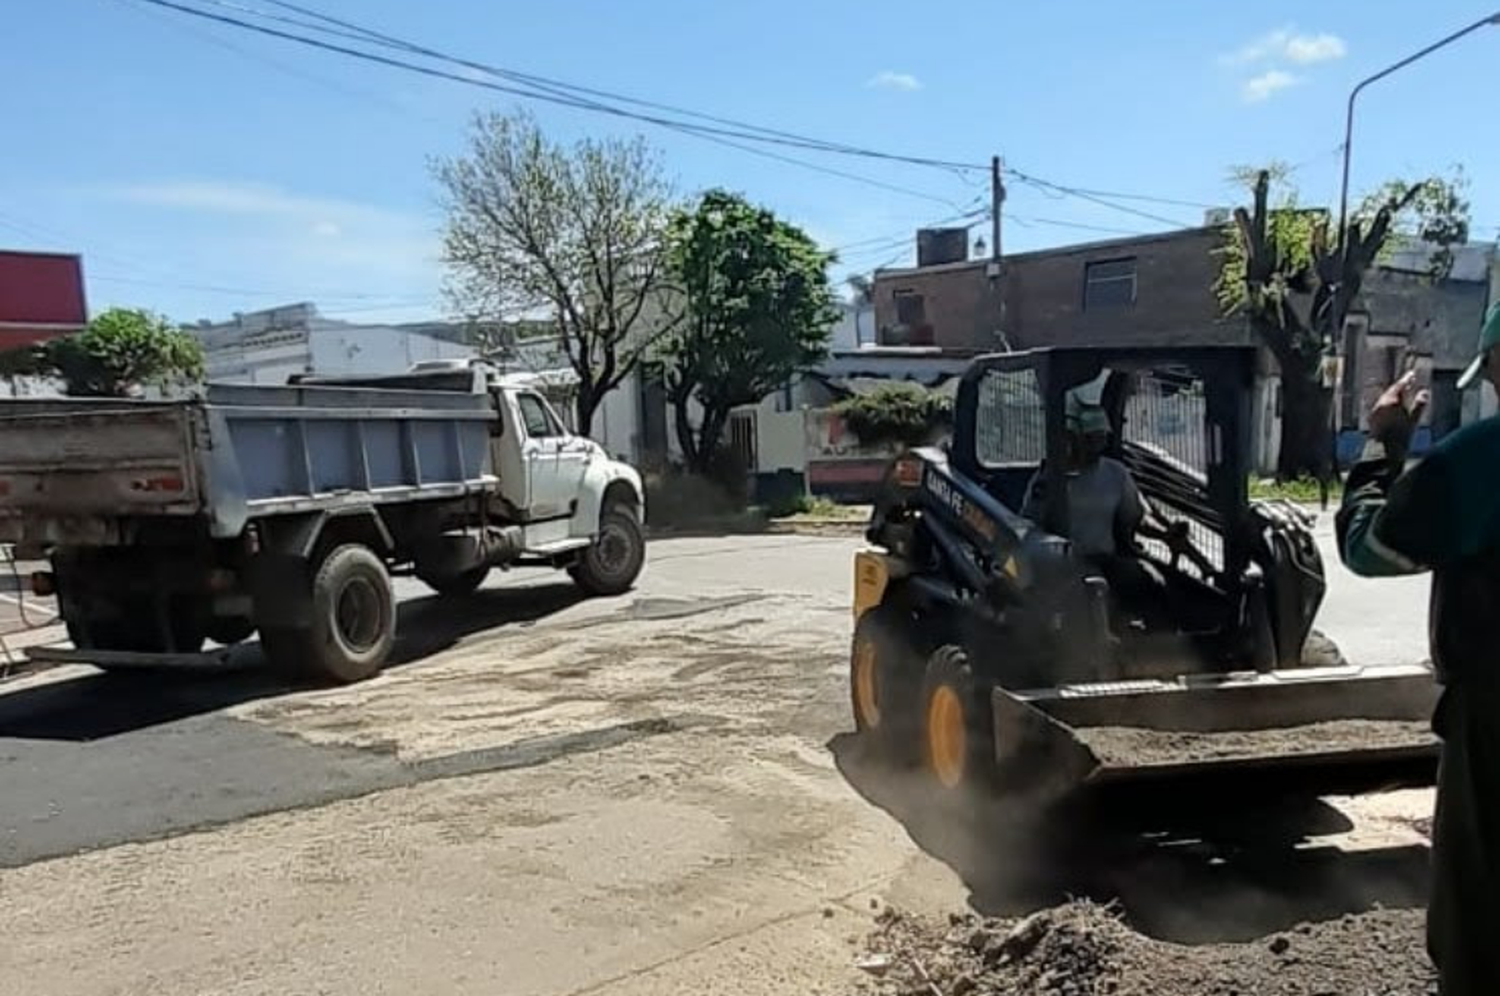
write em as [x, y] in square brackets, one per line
[1208, 867]
[98, 705]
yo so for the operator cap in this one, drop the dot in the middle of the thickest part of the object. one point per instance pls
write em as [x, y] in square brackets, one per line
[1084, 416]
[1489, 336]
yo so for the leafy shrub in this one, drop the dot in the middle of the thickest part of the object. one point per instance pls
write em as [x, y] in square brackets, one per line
[899, 414]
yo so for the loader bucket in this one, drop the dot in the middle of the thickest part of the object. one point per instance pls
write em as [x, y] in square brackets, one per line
[1056, 740]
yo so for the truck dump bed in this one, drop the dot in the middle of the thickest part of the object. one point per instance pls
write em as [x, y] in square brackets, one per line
[71, 469]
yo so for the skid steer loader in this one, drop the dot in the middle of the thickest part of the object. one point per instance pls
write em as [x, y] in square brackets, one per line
[988, 651]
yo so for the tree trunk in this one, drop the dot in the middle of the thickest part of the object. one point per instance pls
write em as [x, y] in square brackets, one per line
[584, 406]
[709, 433]
[686, 441]
[1306, 446]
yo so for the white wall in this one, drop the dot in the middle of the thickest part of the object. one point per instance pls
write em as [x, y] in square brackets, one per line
[376, 349]
[617, 422]
[266, 357]
[780, 440]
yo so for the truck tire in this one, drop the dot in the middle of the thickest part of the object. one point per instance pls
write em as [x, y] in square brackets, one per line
[353, 627]
[957, 724]
[614, 560]
[884, 684]
[455, 585]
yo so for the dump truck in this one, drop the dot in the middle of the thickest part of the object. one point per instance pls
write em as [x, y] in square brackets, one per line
[987, 650]
[285, 511]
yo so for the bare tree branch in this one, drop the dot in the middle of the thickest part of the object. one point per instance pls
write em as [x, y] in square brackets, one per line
[581, 228]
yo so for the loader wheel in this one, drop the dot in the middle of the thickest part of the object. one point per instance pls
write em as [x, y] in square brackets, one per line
[958, 743]
[353, 626]
[883, 685]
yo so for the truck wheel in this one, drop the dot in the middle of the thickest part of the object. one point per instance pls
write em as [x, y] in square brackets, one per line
[611, 565]
[958, 742]
[455, 585]
[353, 621]
[883, 685]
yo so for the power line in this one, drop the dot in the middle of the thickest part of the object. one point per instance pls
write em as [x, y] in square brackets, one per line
[905, 233]
[545, 83]
[551, 97]
[1059, 223]
[1087, 195]
[721, 130]
[351, 92]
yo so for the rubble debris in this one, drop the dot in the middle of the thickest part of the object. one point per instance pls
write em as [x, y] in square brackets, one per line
[1084, 949]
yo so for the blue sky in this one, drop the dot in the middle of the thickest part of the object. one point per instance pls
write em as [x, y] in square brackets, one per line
[202, 171]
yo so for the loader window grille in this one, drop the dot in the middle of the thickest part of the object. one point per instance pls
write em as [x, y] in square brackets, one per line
[1169, 445]
[1011, 425]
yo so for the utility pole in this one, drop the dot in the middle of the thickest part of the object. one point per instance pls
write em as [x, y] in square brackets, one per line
[997, 199]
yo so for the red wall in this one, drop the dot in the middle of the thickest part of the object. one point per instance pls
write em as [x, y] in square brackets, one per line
[41, 296]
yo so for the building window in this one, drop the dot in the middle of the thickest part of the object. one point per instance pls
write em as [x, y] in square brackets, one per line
[911, 319]
[1109, 283]
[911, 308]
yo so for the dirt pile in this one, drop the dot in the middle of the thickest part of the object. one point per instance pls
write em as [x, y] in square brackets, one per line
[1083, 949]
[1131, 747]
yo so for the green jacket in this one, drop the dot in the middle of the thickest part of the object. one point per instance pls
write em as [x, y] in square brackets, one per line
[1441, 515]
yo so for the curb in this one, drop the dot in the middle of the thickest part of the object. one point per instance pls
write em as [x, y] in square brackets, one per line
[818, 527]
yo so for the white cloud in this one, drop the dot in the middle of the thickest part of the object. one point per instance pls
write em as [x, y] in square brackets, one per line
[1287, 45]
[1258, 88]
[888, 79]
[327, 229]
[1304, 50]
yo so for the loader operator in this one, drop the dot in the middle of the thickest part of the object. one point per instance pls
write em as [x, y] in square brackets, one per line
[1104, 506]
[1443, 515]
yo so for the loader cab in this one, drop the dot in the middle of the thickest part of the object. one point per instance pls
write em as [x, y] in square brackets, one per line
[1180, 422]
[1178, 418]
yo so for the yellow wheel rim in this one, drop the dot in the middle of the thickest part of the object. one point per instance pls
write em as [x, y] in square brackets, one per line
[947, 738]
[866, 699]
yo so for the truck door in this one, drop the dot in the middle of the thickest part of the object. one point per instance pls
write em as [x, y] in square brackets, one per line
[549, 493]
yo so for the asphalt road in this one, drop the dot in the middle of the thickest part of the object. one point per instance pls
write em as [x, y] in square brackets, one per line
[89, 759]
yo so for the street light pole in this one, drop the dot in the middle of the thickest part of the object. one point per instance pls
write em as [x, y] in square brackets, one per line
[1333, 418]
[1349, 118]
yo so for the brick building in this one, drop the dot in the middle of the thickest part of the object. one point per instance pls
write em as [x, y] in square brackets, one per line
[1150, 290]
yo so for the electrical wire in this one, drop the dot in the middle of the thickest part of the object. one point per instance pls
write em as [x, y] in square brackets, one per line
[543, 82]
[722, 130]
[1066, 191]
[536, 93]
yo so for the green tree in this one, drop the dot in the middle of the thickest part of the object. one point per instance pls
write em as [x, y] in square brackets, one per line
[121, 350]
[1283, 270]
[575, 231]
[757, 309]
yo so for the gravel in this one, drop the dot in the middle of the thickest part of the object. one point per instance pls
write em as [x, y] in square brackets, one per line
[1084, 949]
[1125, 746]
